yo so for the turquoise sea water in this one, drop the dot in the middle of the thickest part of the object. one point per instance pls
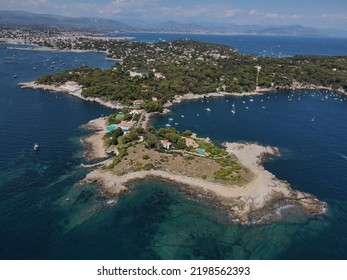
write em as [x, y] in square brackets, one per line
[43, 215]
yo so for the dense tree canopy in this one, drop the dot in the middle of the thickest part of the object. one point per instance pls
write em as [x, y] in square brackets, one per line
[195, 67]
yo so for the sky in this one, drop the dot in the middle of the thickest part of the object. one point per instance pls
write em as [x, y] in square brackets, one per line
[309, 13]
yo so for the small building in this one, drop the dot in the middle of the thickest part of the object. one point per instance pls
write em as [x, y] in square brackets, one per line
[144, 88]
[191, 143]
[136, 112]
[126, 124]
[159, 75]
[136, 73]
[154, 98]
[166, 144]
[138, 102]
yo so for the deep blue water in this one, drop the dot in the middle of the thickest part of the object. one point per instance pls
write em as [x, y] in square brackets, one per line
[311, 136]
[277, 46]
[45, 216]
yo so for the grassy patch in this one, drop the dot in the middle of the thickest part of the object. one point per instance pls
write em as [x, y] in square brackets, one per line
[145, 157]
[138, 166]
[148, 166]
[228, 173]
[226, 161]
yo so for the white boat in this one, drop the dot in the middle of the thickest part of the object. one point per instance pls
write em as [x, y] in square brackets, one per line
[110, 202]
[171, 119]
[233, 110]
[36, 147]
[182, 116]
[208, 109]
[168, 125]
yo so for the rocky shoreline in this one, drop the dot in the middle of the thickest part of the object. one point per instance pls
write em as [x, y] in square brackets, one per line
[76, 93]
[248, 204]
[178, 98]
[260, 91]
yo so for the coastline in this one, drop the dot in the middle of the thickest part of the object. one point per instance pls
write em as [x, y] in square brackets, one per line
[94, 142]
[177, 99]
[261, 91]
[77, 93]
[248, 204]
[264, 196]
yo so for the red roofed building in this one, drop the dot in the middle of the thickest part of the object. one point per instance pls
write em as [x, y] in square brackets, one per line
[191, 143]
[166, 144]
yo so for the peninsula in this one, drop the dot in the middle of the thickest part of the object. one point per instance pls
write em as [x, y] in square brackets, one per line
[232, 177]
[150, 77]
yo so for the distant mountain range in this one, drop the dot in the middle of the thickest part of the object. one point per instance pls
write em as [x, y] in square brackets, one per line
[290, 30]
[55, 22]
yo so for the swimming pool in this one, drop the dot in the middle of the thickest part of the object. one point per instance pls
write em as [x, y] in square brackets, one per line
[201, 151]
[111, 127]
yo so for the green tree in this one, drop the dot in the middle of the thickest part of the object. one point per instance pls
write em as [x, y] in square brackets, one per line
[181, 144]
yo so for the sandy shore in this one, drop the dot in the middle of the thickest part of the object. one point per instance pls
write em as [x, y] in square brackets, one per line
[77, 93]
[94, 142]
[246, 203]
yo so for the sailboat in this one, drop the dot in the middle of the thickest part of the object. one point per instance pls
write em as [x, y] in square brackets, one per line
[36, 147]
[233, 110]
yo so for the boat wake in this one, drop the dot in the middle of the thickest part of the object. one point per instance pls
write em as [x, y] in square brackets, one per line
[341, 155]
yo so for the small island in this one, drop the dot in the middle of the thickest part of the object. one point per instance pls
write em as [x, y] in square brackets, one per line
[148, 79]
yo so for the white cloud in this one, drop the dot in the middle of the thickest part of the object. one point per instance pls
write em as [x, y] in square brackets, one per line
[275, 17]
[11, 4]
[159, 10]
[200, 12]
[253, 12]
[335, 17]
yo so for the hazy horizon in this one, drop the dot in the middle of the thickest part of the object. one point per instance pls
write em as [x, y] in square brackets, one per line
[309, 13]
